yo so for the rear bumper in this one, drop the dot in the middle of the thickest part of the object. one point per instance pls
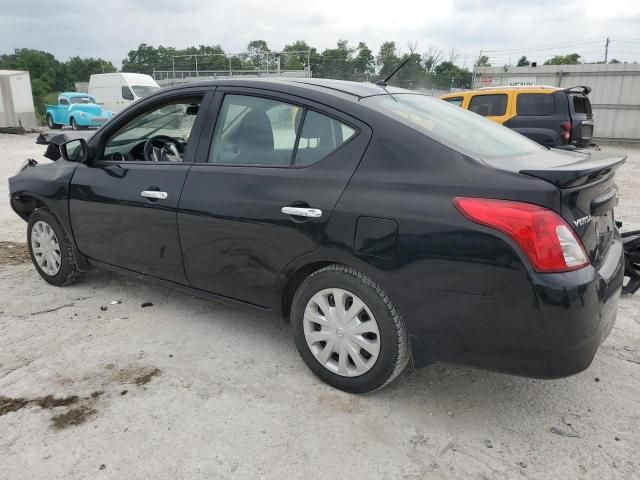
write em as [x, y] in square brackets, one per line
[546, 326]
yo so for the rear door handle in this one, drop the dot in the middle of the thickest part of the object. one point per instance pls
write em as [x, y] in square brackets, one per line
[154, 194]
[302, 212]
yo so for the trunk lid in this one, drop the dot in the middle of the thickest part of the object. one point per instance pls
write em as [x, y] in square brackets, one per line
[588, 195]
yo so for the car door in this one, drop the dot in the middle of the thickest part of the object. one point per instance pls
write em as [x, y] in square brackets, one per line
[123, 204]
[263, 189]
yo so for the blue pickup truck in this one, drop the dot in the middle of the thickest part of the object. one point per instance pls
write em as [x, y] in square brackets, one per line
[77, 110]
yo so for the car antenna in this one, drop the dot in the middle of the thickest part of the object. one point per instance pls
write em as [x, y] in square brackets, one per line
[383, 83]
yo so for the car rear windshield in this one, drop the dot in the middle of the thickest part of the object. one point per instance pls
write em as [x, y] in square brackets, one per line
[535, 104]
[82, 100]
[454, 127]
[581, 104]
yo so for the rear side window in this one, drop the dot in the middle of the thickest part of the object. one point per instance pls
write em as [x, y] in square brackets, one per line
[63, 101]
[319, 137]
[457, 101]
[581, 105]
[255, 131]
[261, 131]
[535, 104]
[489, 105]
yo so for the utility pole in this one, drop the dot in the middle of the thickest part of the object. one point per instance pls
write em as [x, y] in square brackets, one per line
[196, 66]
[606, 49]
[473, 76]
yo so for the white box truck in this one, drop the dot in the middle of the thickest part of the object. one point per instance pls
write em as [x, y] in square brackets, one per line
[16, 100]
[114, 91]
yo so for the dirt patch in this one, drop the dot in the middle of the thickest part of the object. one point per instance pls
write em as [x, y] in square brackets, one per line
[8, 405]
[51, 402]
[135, 375]
[75, 416]
[12, 253]
[146, 378]
[47, 402]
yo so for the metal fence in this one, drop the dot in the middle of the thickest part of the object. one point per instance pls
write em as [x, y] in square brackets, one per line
[615, 95]
[174, 77]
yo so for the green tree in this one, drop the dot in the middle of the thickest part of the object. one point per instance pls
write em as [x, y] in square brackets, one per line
[80, 69]
[258, 54]
[448, 75]
[335, 62]
[571, 59]
[363, 65]
[387, 59]
[483, 61]
[296, 55]
[523, 62]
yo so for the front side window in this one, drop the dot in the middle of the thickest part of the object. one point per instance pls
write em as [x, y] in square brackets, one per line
[168, 125]
[454, 127]
[127, 94]
[260, 131]
[535, 104]
[457, 101]
[489, 105]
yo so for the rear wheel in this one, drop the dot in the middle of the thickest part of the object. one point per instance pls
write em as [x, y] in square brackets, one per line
[51, 124]
[348, 331]
[50, 249]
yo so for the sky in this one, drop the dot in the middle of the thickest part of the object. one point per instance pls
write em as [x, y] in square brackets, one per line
[502, 29]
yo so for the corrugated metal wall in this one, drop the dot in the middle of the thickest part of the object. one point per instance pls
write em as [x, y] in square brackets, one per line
[615, 96]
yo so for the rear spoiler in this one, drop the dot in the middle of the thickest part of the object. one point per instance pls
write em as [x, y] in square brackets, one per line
[580, 172]
[583, 89]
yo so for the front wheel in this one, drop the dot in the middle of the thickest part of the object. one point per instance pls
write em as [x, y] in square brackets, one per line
[74, 124]
[50, 249]
[348, 331]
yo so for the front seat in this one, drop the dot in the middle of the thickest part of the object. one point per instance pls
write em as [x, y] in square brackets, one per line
[253, 139]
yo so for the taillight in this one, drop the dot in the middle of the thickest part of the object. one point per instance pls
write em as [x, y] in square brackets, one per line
[566, 131]
[545, 238]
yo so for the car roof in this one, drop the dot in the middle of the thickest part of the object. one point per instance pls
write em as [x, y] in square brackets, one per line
[75, 94]
[354, 89]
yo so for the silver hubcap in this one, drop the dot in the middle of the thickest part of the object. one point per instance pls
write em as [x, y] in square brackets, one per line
[341, 332]
[45, 248]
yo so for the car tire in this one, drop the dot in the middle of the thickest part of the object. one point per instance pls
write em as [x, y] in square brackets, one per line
[51, 250]
[51, 124]
[74, 124]
[363, 356]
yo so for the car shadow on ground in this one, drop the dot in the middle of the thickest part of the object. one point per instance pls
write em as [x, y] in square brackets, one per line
[450, 385]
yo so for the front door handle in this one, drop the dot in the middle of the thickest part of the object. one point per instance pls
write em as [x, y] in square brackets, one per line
[302, 212]
[154, 194]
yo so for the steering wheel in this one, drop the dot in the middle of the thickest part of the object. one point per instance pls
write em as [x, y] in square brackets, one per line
[163, 148]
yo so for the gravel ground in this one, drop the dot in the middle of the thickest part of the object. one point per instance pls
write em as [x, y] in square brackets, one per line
[186, 388]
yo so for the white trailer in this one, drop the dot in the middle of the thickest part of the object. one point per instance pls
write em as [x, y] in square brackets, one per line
[16, 100]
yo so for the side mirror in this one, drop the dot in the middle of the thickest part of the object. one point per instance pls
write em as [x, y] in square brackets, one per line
[75, 150]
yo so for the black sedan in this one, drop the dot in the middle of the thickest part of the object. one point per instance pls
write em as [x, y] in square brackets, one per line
[384, 225]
